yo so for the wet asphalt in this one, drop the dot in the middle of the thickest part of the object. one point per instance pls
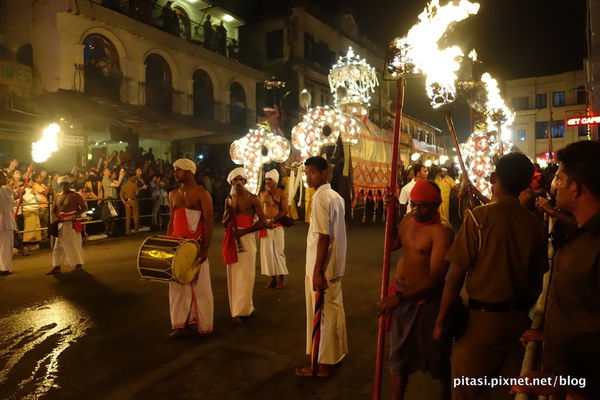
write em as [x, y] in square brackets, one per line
[100, 333]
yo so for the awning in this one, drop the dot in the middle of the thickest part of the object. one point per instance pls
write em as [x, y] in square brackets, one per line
[95, 114]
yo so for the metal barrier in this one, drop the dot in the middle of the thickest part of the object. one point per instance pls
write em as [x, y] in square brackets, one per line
[111, 219]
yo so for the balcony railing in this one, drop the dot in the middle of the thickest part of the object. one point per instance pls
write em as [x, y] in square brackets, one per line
[175, 24]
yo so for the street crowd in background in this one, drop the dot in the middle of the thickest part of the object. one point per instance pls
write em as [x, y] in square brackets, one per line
[119, 190]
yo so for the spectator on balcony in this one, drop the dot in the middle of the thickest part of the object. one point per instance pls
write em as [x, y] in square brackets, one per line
[170, 20]
[233, 50]
[221, 39]
[208, 33]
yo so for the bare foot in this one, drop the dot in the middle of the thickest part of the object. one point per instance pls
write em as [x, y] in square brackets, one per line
[54, 271]
[271, 284]
[280, 282]
[180, 332]
[308, 372]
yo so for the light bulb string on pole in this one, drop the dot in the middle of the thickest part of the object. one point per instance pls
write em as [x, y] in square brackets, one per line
[389, 231]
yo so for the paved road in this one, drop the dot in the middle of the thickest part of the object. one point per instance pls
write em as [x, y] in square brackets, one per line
[100, 334]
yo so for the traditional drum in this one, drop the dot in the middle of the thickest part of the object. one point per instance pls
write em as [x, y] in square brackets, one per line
[168, 259]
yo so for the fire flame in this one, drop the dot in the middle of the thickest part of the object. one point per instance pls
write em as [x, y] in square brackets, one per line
[48, 144]
[422, 54]
[496, 111]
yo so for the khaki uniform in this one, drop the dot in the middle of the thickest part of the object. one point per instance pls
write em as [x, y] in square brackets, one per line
[572, 324]
[129, 192]
[505, 258]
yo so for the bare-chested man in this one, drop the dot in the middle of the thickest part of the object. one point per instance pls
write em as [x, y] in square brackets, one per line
[416, 293]
[241, 209]
[68, 207]
[191, 216]
[272, 238]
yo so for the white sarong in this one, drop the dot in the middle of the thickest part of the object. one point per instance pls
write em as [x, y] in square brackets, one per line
[240, 278]
[192, 303]
[272, 256]
[334, 343]
[67, 248]
[6, 250]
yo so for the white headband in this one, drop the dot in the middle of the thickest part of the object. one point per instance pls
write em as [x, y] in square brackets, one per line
[273, 174]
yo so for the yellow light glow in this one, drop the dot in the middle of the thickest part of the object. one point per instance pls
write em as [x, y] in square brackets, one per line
[443, 159]
[428, 163]
[496, 111]
[43, 148]
[227, 18]
[415, 156]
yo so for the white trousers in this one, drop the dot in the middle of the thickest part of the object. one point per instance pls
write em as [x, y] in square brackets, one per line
[6, 250]
[240, 279]
[192, 303]
[272, 256]
[334, 342]
[67, 248]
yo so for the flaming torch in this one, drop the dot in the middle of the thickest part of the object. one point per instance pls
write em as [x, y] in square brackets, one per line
[418, 52]
[40, 152]
[496, 111]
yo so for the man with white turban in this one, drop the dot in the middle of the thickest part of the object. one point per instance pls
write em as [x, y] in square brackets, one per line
[242, 208]
[272, 240]
[191, 216]
[68, 207]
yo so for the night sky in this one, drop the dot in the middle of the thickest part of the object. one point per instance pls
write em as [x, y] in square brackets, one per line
[513, 38]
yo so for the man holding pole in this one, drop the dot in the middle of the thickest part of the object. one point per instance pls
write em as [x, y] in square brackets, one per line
[68, 207]
[501, 250]
[572, 320]
[325, 265]
[415, 295]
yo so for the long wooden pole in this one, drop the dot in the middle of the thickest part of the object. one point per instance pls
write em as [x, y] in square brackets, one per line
[387, 249]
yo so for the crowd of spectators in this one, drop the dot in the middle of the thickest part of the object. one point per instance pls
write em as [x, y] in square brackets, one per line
[119, 189]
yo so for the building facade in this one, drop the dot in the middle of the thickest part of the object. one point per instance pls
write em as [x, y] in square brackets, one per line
[542, 105]
[129, 72]
[300, 48]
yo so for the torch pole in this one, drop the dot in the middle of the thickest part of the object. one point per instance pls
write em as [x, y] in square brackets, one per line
[389, 229]
[27, 177]
[500, 142]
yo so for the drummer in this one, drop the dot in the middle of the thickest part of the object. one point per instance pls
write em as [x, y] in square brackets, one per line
[191, 216]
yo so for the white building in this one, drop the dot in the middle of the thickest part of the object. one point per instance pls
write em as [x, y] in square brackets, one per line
[124, 71]
[546, 102]
[300, 49]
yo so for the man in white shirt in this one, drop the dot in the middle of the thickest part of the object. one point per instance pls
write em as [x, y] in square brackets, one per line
[7, 226]
[325, 265]
[420, 172]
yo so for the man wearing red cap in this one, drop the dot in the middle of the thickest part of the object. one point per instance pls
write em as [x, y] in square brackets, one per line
[416, 292]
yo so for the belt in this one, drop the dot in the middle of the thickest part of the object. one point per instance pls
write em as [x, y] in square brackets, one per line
[502, 306]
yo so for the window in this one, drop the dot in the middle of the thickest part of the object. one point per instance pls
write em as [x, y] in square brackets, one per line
[558, 99]
[521, 134]
[101, 70]
[237, 104]
[520, 103]
[308, 43]
[274, 44]
[541, 130]
[204, 103]
[581, 95]
[541, 100]
[180, 24]
[158, 83]
[582, 130]
[25, 55]
[558, 129]
[318, 52]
